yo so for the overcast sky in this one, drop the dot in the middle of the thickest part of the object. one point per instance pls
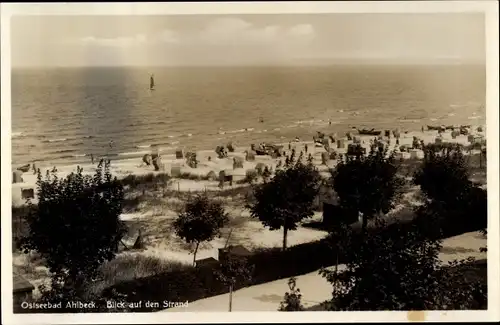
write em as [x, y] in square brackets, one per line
[246, 39]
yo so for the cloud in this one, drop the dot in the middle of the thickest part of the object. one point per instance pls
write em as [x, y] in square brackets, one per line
[121, 41]
[302, 30]
[234, 30]
[166, 36]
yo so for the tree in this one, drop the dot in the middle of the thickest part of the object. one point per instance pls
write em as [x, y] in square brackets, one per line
[287, 198]
[292, 299]
[443, 176]
[201, 221]
[367, 184]
[397, 268]
[75, 226]
[233, 270]
[452, 200]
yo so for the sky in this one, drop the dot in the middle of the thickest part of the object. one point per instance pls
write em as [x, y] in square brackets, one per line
[180, 40]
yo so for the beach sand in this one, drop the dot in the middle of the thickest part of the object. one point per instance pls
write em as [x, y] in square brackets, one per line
[134, 166]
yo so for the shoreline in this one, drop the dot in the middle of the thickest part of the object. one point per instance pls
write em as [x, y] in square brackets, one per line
[65, 149]
[133, 165]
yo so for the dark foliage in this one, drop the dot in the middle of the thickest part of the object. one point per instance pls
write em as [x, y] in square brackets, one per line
[76, 226]
[444, 176]
[367, 184]
[292, 299]
[201, 221]
[452, 200]
[398, 268]
[287, 198]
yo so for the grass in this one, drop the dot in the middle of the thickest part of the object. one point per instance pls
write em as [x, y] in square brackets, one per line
[130, 267]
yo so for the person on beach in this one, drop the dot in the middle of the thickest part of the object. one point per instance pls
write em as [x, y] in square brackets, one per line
[305, 147]
[289, 145]
[111, 143]
[34, 169]
[92, 158]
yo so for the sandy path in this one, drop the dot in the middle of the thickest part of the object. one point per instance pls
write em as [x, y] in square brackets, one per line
[314, 288]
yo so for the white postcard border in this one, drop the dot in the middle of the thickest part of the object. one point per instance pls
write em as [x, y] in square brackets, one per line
[489, 8]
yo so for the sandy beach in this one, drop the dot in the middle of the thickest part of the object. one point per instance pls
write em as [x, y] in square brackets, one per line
[209, 162]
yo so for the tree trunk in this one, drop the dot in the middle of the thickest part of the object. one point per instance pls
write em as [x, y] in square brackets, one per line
[230, 297]
[285, 233]
[364, 224]
[336, 273]
[194, 254]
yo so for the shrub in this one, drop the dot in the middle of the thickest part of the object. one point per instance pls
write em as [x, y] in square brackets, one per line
[75, 226]
[292, 299]
[251, 176]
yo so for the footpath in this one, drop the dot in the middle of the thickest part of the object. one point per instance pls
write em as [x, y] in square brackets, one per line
[314, 288]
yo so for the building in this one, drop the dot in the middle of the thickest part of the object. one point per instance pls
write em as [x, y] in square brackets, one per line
[22, 289]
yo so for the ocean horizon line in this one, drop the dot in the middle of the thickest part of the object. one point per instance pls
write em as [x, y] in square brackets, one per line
[282, 65]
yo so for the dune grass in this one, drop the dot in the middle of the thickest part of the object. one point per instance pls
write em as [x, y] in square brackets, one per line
[132, 266]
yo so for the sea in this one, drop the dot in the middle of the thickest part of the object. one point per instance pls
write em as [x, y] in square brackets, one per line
[60, 116]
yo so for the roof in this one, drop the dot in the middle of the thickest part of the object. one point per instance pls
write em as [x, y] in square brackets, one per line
[20, 284]
[238, 250]
[206, 261]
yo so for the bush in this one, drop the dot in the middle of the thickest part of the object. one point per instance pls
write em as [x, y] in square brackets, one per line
[292, 299]
[75, 226]
[251, 176]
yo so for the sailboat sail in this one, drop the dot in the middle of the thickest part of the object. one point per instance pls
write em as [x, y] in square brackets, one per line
[152, 83]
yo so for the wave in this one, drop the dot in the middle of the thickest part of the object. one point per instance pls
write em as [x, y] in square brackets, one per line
[143, 146]
[474, 117]
[132, 153]
[236, 131]
[17, 134]
[411, 121]
[433, 119]
[56, 140]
